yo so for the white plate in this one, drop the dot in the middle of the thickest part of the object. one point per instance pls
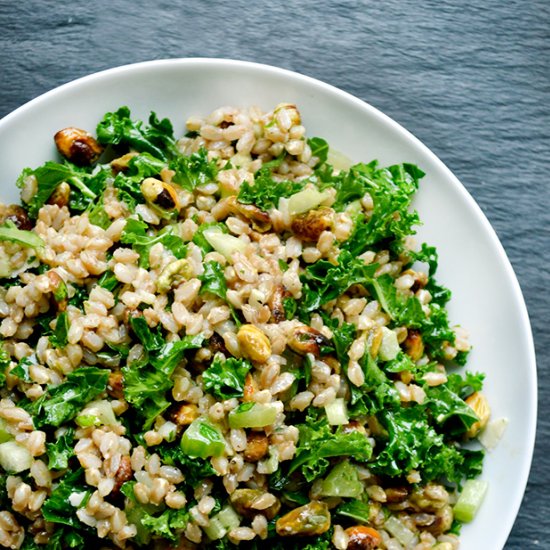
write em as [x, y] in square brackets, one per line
[486, 295]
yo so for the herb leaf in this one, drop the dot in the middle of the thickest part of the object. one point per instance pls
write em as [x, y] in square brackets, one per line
[225, 378]
[157, 138]
[62, 403]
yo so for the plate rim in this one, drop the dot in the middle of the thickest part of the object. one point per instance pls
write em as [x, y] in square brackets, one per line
[519, 300]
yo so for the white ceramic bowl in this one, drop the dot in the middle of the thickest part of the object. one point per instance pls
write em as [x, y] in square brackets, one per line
[486, 295]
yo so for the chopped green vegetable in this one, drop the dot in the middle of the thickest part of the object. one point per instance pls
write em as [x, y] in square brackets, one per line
[194, 170]
[224, 378]
[9, 232]
[356, 510]
[337, 412]
[342, 481]
[265, 192]
[317, 442]
[135, 233]
[14, 458]
[202, 439]
[157, 138]
[470, 500]
[252, 415]
[62, 403]
[61, 451]
[59, 336]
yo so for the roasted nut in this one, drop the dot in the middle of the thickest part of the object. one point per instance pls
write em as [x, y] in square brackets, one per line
[174, 273]
[254, 343]
[276, 303]
[216, 344]
[120, 164]
[310, 225]
[395, 495]
[244, 501]
[479, 404]
[160, 194]
[306, 340]
[16, 214]
[58, 289]
[429, 498]
[362, 537]
[78, 146]
[374, 340]
[115, 386]
[261, 222]
[123, 474]
[292, 112]
[184, 414]
[60, 196]
[257, 446]
[442, 522]
[414, 347]
[353, 426]
[250, 387]
[308, 520]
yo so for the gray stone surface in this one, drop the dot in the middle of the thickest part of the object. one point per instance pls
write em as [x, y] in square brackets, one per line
[470, 78]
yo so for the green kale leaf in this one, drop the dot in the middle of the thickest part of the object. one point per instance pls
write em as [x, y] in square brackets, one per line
[51, 174]
[196, 468]
[194, 170]
[9, 232]
[156, 138]
[317, 442]
[60, 451]
[167, 525]
[62, 403]
[392, 190]
[135, 233]
[266, 192]
[55, 508]
[213, 280]
[324, 281]
[5, 362]
[224, 378]
[319, 148]
[59, 336]
[147, 380]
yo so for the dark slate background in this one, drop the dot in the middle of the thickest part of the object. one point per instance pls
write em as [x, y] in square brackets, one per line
[470, 78]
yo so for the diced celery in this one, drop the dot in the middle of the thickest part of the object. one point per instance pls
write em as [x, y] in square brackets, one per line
[342, 482]
[10, 232]
[403, 534]
[252, 415]
[215, 530]
[14, 458]
[223, 243]
[470, 499]
[338, 160]
[305, 200]
[4, 434]
[389, 347]
[220, 524]
[270, 464]
[202, 439]
[492, 433]
[337, 412]
[353, 208]
[97, 413]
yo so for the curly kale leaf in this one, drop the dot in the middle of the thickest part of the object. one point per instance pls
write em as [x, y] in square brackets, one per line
[224, 378]
[317, 442]
[62, 403]
[266, 192]
[156, 138]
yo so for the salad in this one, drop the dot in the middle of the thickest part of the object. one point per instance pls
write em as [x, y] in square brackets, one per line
[228, 339]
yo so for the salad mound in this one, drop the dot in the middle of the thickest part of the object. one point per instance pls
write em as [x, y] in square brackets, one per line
[228, 339]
